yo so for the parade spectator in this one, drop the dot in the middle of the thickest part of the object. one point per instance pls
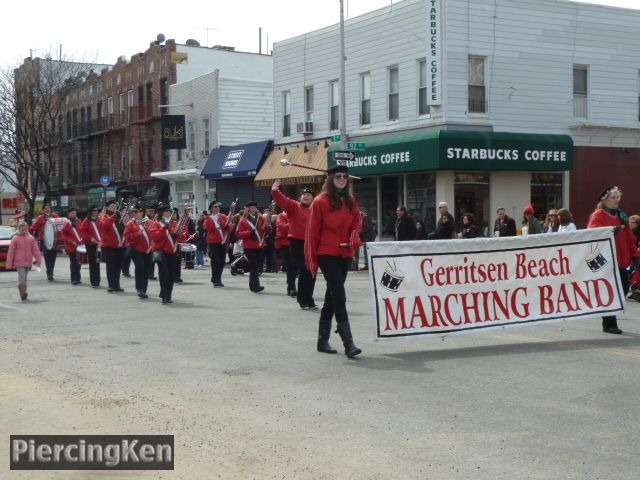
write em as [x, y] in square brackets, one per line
[534, 226]
[608, 214]
[565, 221]
[634, 224]
[37, 229]
[367, 234]
[504, 226]
[469, 228]
[551, 222]
[445, 226]
[405, 228]
[22, 251]
[421, 231]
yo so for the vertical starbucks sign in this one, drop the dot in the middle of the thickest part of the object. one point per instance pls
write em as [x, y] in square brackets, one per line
[434, 55]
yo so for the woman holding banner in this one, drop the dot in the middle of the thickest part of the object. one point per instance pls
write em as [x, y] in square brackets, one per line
[333, 232]
[608, 214]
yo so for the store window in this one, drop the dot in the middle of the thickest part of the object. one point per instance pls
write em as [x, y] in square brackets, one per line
[365, 191]
[421, 199]
[546, 192]
[390, 200]
[477, 95]
[472, 195]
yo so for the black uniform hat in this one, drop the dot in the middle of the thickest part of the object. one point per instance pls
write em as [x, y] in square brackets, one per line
[215, 203]
[161, 207]
[306, 190]
[110, 202]
[251, 204]
[152, 206]
[91, 208]
[46, 204]
[606, 192]
[139, 208]
[72, 209]
[338, 169]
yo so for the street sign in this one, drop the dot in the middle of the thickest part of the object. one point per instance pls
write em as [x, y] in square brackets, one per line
[358, 146]
[105, 180]
[336, 138]
[344, 155]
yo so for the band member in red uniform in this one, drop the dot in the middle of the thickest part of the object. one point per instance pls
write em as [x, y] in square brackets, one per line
[137, 235]
[333, 232]
[608, 214]
[298, 213]
[173, 226]
[217, 226]
[251, 229]
[112, 244]
[283, 247]
[72, 240]
[151, 215]
[37, 229]
[91, 238]
[163, 246]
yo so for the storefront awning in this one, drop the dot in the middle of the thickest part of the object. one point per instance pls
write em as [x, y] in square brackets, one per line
[237, 161]
[461, 150]
[315, 157]
[188, 174]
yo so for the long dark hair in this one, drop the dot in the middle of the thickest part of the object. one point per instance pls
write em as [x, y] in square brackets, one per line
[329, 189]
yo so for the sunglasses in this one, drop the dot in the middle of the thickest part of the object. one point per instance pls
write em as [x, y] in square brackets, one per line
[341, 176]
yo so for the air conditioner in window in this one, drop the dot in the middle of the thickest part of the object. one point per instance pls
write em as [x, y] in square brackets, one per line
[305, 128]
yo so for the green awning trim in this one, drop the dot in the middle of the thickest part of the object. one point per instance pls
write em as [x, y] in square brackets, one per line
[462, 150]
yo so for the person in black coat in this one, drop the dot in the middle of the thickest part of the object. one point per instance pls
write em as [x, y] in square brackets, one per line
[504, 226]
[421, 231]
[445, 226]
[469, 228]
[405, 228]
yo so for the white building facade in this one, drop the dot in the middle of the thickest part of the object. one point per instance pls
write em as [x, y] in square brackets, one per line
[432, 86]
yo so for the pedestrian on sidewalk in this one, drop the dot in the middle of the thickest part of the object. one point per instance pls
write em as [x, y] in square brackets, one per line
[22, 251]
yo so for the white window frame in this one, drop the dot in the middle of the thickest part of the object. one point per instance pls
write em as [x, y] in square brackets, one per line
[206, 134]
[424, 109]
[580, 98]
[191, 125]
[474, 86]
[286, 113]
[334, 103]
[365, 98]
[308, 109]
[393, 93]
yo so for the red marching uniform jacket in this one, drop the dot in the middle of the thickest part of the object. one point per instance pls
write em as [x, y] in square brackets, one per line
[245, 232]
[162, 238]
[215, 235]
[38, 225]
[111, 237]
[138, 236]
[90, 232]
[626, 247]
[282, 231]
[328, 228]
[298, 214]
[71, 236]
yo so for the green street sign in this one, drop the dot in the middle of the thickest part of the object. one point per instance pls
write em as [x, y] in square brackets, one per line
[336, 138]
[359, 147]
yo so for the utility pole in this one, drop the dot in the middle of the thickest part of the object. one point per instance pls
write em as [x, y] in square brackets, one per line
[343, 95]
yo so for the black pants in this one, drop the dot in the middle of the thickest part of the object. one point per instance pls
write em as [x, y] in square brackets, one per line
[94, 265]
[49, 260]
[217, 253]
[253, 256]
[113, 258]
[610, 321]
[334, 270]
[177, 264]
[290, 268]
[142, 261]
[166, 269]
[306, 283]
[151, 270]
[126, 264]
[74, 267]
[270, 258]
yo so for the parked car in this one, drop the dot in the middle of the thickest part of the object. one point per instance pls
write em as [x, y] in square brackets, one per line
[5, 239]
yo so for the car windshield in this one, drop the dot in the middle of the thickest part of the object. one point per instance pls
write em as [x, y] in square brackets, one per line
[6, 232]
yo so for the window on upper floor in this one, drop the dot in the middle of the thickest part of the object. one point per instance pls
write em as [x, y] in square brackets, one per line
[206, 136]
[394, 93]
[191, 128]
[580, 89]
[286, 114]
[308, 104]
[334, 105]
[423, 108]
[365, 98]
[477, 98]
[129, 103]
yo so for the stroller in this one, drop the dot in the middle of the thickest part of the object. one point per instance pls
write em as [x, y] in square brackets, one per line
[240, 265]
[634, 281]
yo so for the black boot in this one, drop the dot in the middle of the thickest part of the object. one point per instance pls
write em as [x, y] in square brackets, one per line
[324, 332]
[350, 349]
[610, 325]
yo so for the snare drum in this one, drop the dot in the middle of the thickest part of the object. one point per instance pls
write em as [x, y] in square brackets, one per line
[52, 229]
[188, 254]
[82, 255]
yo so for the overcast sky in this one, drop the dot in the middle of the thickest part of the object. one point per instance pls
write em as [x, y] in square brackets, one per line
[102, 32]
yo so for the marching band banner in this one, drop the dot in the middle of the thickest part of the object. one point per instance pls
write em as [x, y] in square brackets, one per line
[447, 286]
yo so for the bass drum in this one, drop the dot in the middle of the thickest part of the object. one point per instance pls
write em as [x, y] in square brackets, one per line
[52, 229]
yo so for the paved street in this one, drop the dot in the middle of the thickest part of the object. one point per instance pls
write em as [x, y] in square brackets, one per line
[235, 377]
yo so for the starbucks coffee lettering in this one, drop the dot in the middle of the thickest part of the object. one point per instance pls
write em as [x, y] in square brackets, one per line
[384, 159]
[507, 154]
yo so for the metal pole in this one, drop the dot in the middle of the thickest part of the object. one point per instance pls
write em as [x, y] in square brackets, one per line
[343, 95]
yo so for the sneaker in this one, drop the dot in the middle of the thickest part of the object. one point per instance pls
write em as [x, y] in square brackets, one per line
[218, 285]
[258, 289]
[304, 307]
[313, 307]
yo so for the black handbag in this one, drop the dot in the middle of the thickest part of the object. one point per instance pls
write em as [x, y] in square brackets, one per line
[157, 256]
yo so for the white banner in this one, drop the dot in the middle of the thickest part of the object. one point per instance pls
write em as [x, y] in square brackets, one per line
[433, 287]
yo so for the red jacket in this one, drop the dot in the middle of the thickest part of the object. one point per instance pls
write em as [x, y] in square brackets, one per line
[38, 225]
[137, 235]
[162, 238]
[213, 234]
[282, 231]
[90, 232]
[246, 233]
[328, 228]
[298, 214]
[71, 236]
[626, 247]
[111, 237]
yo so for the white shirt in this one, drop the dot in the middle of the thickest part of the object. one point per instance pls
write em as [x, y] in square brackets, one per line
[570, 227]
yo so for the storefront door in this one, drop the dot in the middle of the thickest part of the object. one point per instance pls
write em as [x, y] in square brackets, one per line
[390, 199]
[472, 196]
